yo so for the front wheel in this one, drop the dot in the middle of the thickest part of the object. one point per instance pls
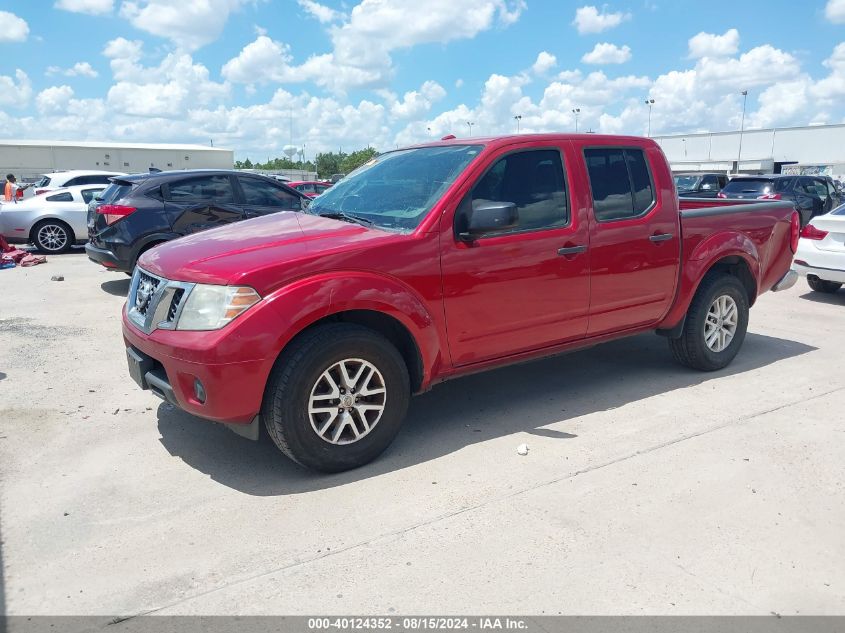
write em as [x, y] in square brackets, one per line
[53, 236]
[820, 285]
[336, 397]
[715, 327]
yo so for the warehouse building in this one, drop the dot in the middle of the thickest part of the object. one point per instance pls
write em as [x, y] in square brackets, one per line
[29, 159]
[811, 150]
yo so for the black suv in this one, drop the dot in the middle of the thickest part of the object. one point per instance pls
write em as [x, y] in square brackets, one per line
[700, 185]
[137, 212]
[811, 195]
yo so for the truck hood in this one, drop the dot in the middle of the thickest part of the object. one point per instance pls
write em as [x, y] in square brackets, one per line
[232, 253]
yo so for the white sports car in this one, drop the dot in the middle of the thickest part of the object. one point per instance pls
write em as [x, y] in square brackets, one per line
[821, 251]
[53, 221]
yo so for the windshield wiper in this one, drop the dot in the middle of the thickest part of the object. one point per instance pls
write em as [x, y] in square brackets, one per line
[340, 215]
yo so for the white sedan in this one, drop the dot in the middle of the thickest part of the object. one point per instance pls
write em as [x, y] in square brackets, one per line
[53, 221]
[821, 251]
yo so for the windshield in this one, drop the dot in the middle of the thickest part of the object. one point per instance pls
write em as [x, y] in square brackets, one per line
[685, 183]
[397, 189]
[43, 181]
[749, 185]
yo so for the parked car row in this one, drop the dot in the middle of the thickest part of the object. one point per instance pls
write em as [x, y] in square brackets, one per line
[811, 195]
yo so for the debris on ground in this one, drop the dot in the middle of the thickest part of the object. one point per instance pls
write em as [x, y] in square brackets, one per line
[57, 278]
[522, 449]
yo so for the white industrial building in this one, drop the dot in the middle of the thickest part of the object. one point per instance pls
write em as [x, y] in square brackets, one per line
[811, 150]
[28, 159]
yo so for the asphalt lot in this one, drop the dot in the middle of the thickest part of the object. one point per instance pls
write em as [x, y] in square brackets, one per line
[648, 488]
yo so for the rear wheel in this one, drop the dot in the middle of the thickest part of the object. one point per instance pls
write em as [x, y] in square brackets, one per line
[715, 326]
[53, 236]
[336, 397]
[820, 285]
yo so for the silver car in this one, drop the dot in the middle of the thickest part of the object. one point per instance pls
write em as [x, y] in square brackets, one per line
[53, 221]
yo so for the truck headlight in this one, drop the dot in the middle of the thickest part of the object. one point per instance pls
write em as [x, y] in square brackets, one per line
[211, 307]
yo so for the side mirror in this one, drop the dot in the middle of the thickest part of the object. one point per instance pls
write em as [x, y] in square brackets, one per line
[490, 217]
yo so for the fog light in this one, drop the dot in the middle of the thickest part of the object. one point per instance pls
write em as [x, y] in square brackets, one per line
[199, 391]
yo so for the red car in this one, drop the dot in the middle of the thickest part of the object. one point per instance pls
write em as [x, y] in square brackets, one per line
[436, 261]
[311, 188]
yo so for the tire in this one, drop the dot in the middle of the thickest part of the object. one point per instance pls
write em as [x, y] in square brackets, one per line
[820, 285]
[304, 374]
[692, 348]
[53, 237]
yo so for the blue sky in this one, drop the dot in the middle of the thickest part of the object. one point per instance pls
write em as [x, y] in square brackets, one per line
[392, 72]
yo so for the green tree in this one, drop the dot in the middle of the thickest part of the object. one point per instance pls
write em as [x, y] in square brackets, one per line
[356, 159]
[329, 163]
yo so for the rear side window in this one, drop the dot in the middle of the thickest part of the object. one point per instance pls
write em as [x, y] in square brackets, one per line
[45, 180]
[620, 182]
[88, 194]
[200, 188]
[65, 196]
[750, 185]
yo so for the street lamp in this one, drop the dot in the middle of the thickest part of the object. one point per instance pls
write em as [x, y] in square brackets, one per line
[576, 112]
[744, 94]
[470, 124]
[518, 118]
[685, 146]
[649, 103]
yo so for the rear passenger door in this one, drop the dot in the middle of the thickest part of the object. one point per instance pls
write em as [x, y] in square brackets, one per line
[196, 203]
[634, 242]
[261, 197]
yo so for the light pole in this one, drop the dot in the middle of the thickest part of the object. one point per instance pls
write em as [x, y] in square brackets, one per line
[576, 112]
[649, 103]
[685, 147]
[518, 118]
[744, 94]
[470, 124]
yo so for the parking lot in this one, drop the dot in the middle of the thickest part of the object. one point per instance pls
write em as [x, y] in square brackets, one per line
[647, 489]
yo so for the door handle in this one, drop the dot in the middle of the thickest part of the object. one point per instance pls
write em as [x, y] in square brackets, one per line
[663, 237]
[571, 250]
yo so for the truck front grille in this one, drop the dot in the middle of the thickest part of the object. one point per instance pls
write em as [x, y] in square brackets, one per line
[155, 302]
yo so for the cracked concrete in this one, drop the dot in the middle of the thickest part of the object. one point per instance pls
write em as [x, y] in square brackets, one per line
[647, 489]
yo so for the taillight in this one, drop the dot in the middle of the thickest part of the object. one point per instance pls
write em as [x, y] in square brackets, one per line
[770, 196]
[794, 231]
[810, 232]
[721, 195]
[114, 212]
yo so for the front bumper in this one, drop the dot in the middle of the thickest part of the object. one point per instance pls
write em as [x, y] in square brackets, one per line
[106, 258]
[233, 391]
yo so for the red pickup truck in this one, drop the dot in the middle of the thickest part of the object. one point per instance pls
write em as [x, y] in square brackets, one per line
[439, 260]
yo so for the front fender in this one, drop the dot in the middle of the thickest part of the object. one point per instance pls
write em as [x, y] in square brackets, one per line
[305, 301]
[702, 258]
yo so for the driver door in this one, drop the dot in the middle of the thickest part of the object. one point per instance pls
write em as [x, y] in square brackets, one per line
[526, 287]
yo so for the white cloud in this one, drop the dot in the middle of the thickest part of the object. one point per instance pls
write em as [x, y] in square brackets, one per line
[79, 69]
[189, 24]
[91, 7]
[53, 99]
[835, 11]
[604, 53]
[712, 45]
[363, 44]
[125, 56]
[15, 91]
[459, 83]
[259, 62]
[323, 13]
[12, 28]
[588, 19]
[415, 103]
[545, 62]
